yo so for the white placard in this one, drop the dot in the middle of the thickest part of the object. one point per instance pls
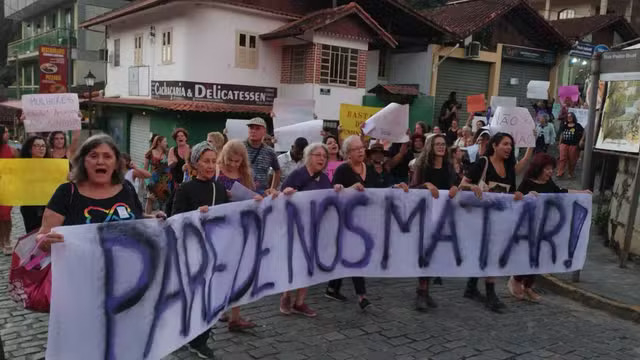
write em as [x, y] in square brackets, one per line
[240, 192]
[51, 112]
[517, 122]
[142, 289]
[538, 90]
[237, 129]
[390, 123]
[292, 111]
[286, 136]
[505, 101]
[582, 116]
[474, 122]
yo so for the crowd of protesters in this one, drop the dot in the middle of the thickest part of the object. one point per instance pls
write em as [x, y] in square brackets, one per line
[183, 178]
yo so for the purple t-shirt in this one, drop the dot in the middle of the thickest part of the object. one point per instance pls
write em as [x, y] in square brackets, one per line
[300, 180]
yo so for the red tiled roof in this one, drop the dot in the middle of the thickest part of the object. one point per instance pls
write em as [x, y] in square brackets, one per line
[463, 18]
[185, 105]
[324, 17]
[397, 89]
[577, 28]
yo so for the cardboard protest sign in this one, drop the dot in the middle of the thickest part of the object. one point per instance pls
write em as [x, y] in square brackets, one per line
[568, 91]
[538, 90]
[148, 286]
[237, 129]
[292, 111]
[286, 136]
[30, 181]
[517, 122]
[476, 103]
[582, 115]
[352, 117]
[390, 123]
[51, 112]
[505, 101]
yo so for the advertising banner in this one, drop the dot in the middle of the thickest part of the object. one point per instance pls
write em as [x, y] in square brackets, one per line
[53, 69]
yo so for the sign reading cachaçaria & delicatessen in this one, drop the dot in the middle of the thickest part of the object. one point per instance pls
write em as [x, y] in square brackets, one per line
[224, 93]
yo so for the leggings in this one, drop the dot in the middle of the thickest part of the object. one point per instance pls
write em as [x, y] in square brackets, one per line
[358, 284]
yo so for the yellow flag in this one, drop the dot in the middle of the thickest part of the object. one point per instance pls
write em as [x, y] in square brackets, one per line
[30, 181]
[352, 117]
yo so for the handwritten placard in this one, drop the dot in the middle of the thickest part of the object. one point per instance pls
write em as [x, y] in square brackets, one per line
[51, 112]
[517, 122]
[390, 123]
[506, 101]
[568, 91]
[148, 286]
[352, 117]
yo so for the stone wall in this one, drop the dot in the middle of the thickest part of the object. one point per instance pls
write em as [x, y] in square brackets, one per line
[619, 205]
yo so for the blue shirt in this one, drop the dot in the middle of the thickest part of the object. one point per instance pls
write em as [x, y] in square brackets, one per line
[300, 180]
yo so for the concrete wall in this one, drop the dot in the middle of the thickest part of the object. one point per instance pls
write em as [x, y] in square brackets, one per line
[620, 202]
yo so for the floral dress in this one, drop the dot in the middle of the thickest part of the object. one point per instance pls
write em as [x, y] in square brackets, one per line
[160, 184]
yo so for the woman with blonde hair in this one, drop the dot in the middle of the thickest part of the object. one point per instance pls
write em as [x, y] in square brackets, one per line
[233, 166]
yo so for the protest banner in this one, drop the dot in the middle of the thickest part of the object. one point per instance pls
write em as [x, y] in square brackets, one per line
[517, 122]
[352, 117]
[286, 136]
[30, 181]
[391, 123]
[582, 115]
[51, 112]
[538, 90]
[476, 103]
[150, 286]
[505, 101]
[236, 129]
[568, 91]
[292, 111]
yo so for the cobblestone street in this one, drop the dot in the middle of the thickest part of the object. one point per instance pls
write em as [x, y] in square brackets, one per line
[459, 329]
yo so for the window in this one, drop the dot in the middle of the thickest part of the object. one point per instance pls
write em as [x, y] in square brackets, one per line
[116, 52]
[167, 53]
[52, 21]
[383, 64]
[137, 51]
[298, 70]
[339, 66]
[566, 14]
[246, 50]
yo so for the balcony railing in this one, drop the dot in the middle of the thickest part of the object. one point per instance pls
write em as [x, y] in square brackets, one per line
[56, 37]
[12, 92]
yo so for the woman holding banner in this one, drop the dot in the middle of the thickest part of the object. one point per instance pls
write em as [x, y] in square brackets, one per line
[434, 172]
[35, 147]
[494, 172]
[6, 152]
[200, 193]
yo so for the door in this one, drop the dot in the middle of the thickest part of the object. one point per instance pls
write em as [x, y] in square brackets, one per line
[465, 77]
[140, 132]
[523, 72]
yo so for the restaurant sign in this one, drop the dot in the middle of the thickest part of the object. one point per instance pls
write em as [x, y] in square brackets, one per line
[53, 69]
[223, 93]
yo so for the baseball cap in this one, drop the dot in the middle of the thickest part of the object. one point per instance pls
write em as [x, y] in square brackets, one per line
[257, 121]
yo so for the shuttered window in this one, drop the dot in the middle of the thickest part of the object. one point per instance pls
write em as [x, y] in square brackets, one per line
[137, 51]
[246, 50]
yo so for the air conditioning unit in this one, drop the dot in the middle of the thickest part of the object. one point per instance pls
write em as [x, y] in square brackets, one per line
[103, 54]
[472, 50]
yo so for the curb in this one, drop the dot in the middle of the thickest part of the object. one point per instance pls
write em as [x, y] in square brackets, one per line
[613, 307]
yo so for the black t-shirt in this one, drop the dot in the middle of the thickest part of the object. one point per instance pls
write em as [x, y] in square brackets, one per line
[451, 136]
[571, 135]
[442, 178]
[345, 176]
[375, 180]
[495, 182]
[528, 185]
[195, 193]
[401, 171]
[78, 209]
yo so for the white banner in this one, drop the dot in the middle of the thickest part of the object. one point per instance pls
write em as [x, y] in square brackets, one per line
[582, 116]
[517, 122]
[237, 129]
[390, 123]
[141, 289]
[286, 136]
[51, 112]
[292, 111]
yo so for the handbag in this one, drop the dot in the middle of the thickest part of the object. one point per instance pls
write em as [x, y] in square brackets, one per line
[30, 273]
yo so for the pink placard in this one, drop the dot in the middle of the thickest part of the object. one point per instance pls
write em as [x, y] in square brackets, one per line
[570, 91]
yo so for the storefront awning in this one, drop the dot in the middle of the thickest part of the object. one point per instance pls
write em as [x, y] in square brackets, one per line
[185, 105]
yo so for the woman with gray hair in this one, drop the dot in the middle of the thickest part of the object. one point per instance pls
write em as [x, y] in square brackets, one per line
[545, 134]
[96, 194]
[311, 176]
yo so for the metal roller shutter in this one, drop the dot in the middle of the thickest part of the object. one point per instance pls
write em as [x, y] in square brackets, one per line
[524, 72]
[140, 131]
[465, 77]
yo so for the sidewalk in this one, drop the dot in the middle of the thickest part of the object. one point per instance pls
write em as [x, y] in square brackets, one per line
[603, 284]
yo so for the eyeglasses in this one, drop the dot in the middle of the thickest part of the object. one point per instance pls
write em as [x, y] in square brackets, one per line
[39, 146]
[357, 148]
[322, 155]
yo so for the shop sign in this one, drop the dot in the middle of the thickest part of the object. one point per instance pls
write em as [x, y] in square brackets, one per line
[626, 61]
[53, 69]
[528, 55]
[601, 48]
[223, 93]
[581, 49]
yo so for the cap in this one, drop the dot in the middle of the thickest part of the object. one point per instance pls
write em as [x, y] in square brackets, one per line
[257, 121]
[376, 147]
[198, 150]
